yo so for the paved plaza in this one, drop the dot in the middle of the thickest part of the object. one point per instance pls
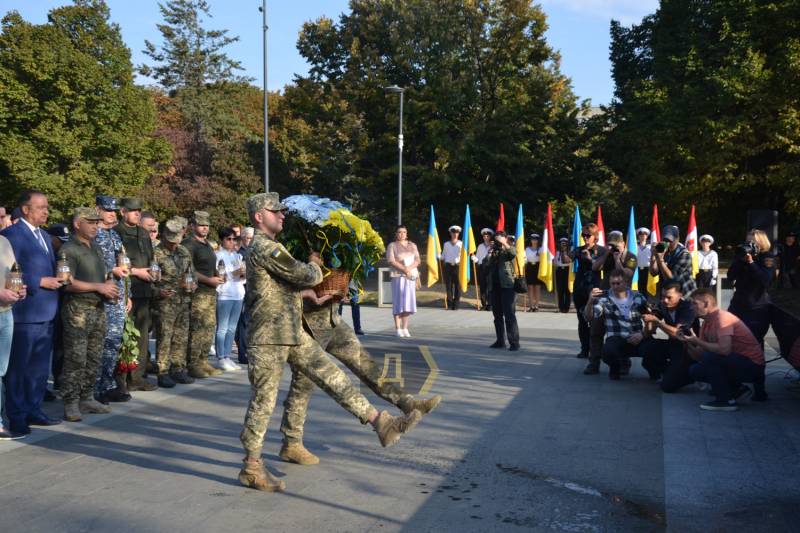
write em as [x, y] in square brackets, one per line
[522, 441]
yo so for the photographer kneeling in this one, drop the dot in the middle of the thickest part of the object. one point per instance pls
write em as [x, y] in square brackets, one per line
[751, 273]
[500, 279]
[667, 358]
[727, 354]
[621, 309]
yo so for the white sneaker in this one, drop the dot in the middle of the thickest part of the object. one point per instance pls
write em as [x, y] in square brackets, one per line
[400, 333]
[230, 365]
[406, 333]
[213, 351]
[216, 362]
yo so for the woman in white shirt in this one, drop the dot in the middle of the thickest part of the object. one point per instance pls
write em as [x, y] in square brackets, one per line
[532, 253]
[707, 263]
[230, 297]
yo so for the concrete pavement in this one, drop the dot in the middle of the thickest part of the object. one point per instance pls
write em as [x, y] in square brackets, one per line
[521, 441]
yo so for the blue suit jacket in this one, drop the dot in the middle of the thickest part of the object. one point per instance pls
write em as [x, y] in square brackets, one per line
[40, 305]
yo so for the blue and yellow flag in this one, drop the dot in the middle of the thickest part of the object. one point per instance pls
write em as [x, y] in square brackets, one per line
[519, 235]
[433, 252]
[467, 249]
[577, 242]
[633, 248]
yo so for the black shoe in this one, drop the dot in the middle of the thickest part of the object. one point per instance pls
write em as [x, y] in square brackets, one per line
[114, 395]
[182, 377]
[19, 429]
[718, 405]
[625, 368]
[164, 380]
[243, 360]
[591, 369]
[42, 419]
[498, 344]
[49, 396]
[582, 355]
[10, 435]
[101, 398]
[513, 348]
[360, 332]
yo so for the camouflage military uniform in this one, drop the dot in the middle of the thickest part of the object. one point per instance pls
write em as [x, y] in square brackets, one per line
[110, 244]
[338, 339]
[203, 325]
[275, 336]
[84, 321]
[172, 313]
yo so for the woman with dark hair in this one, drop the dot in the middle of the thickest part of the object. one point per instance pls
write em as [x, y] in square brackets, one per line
[230, 297]
[532, 254]
[403, 257]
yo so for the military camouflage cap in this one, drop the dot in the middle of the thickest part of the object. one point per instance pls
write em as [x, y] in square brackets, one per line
[86, 213]
[131, 204]
[265, 200]
[201, 218]
[615, 236]
[182, 221]
[172, 231]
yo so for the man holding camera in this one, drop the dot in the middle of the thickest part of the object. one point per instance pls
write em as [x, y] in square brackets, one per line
[667, 359]
[590, 259]
[670, 260]
[726, 352]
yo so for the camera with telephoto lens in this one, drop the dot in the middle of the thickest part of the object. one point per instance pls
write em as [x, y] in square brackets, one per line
[661, 247]
[746, 248]
[685, 330]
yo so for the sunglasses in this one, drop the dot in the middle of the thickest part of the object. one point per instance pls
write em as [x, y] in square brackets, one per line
[230, 238]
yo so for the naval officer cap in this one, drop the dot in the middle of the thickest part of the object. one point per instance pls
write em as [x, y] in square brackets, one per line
[454, 228]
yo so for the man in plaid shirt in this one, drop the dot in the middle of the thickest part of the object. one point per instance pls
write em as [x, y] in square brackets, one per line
[672, 263]
[621, 309]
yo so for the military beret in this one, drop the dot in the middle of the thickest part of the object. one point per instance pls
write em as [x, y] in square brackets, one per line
[106, 203]
[131, 204]
[86, 213]
[201, 218]
[265, 200]
[172, 231]
[59, 230]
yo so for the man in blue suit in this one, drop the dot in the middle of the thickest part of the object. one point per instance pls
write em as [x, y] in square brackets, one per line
[32, 342]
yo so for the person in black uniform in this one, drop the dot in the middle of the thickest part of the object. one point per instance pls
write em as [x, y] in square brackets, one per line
[563, 262]
[751, 273]
[790, 262]
[590, 258]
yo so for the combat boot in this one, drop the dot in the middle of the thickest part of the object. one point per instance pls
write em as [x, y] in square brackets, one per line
[389, 428]
[72, 412]
[181, 376]
[295, 452]
[255, 476]
[165, 381]
[198, 372]
[210, 370]
[408, 404]
[93, 406]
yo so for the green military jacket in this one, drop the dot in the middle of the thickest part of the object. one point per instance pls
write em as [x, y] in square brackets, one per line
[139, 249]
[86, 264]
[503, 261]
[173, 268]
[320, 320]
[274, 282]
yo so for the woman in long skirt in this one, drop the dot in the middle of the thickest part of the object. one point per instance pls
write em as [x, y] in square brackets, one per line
[403, 258]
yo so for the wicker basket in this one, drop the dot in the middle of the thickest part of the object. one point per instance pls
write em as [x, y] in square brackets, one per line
[337, 283]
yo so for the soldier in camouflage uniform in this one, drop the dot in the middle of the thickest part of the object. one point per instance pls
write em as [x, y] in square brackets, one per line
[203, 324]
[111, 388]
[276, 336]
[84, 317]
[338, 339]
[173, 305]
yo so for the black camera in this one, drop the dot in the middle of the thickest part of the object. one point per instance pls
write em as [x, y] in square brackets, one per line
[685, 330]
[660, 247]
[746, 248]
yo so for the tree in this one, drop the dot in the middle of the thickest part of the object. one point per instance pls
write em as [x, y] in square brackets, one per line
[72, 122]
[706, 109]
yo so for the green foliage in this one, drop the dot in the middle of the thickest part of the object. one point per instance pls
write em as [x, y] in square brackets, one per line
[706, 110]
[72, 122]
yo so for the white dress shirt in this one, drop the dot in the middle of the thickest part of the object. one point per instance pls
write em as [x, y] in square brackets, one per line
[643, 256]
[451, 253]
[709, 261]
[481, 253]
[531, 255]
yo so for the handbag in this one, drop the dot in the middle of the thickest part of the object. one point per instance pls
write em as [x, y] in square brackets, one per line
[520, 286]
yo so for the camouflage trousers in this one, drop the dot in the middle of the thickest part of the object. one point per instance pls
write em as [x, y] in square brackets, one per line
[203, 325]
[342, 343]
[84, 331]
[172, 332]
[265, 367]
[115, 323]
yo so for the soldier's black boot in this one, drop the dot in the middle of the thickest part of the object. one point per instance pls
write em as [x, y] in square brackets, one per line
[164, 380]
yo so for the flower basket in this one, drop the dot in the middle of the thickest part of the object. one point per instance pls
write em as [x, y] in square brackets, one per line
[335, 283]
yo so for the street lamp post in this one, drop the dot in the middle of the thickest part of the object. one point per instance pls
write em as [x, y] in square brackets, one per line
[263, 9]
[401, 91]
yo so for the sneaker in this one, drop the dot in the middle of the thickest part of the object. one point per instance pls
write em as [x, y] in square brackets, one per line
[406, 333]
[719, 405]
[591, 369]
[218, 362]
[743, 394]
[230, 365]
[702, 386]
[10, 435]
[399, 333]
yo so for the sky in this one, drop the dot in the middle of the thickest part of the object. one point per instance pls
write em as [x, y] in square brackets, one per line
[579, 29]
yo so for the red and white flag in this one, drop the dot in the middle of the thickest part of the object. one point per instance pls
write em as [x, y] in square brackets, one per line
[548, 251]
[655, 238]
[691, 243]
[601, 230]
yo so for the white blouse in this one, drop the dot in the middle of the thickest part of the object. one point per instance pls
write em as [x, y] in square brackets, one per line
[531, 255]
[709, 261]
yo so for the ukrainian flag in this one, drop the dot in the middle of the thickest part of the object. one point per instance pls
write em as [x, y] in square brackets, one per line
[433, 251]
[633, 248]
[467, 249]
[577, 242]
[520, 245]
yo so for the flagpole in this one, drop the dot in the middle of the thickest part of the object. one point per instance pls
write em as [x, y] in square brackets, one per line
[477, 291]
